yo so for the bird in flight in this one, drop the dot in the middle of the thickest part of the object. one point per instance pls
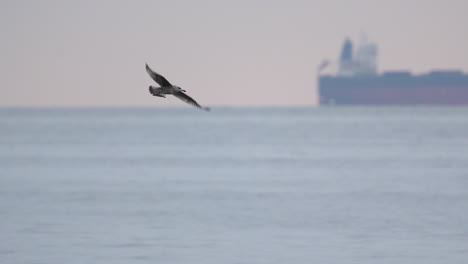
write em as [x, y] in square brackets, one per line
[168, 88]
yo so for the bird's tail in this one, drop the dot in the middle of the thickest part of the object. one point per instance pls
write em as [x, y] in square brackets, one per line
[156, 91]
[151, 90]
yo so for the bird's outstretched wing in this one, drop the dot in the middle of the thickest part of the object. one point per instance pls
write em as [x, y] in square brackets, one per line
[157, 77]
[182, 96]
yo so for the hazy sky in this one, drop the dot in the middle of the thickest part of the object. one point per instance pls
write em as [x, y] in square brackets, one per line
[93, 53]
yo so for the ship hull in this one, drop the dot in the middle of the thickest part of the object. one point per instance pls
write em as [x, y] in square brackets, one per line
[394, 95]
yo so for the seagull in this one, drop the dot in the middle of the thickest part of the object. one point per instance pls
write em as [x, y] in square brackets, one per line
[168, 88]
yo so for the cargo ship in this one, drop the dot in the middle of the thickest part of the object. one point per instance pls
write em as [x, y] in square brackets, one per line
[354, 80]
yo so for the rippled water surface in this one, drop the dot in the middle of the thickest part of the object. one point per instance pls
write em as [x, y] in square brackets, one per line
[266, 185]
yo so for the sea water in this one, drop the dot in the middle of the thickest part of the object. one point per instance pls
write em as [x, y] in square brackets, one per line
[253, 185]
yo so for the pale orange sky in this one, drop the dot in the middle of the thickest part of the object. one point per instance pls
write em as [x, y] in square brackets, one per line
[234, 53]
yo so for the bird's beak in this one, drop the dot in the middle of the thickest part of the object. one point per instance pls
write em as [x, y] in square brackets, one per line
[184, 91]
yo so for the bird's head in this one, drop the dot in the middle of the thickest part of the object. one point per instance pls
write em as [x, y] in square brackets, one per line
[179, 89]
